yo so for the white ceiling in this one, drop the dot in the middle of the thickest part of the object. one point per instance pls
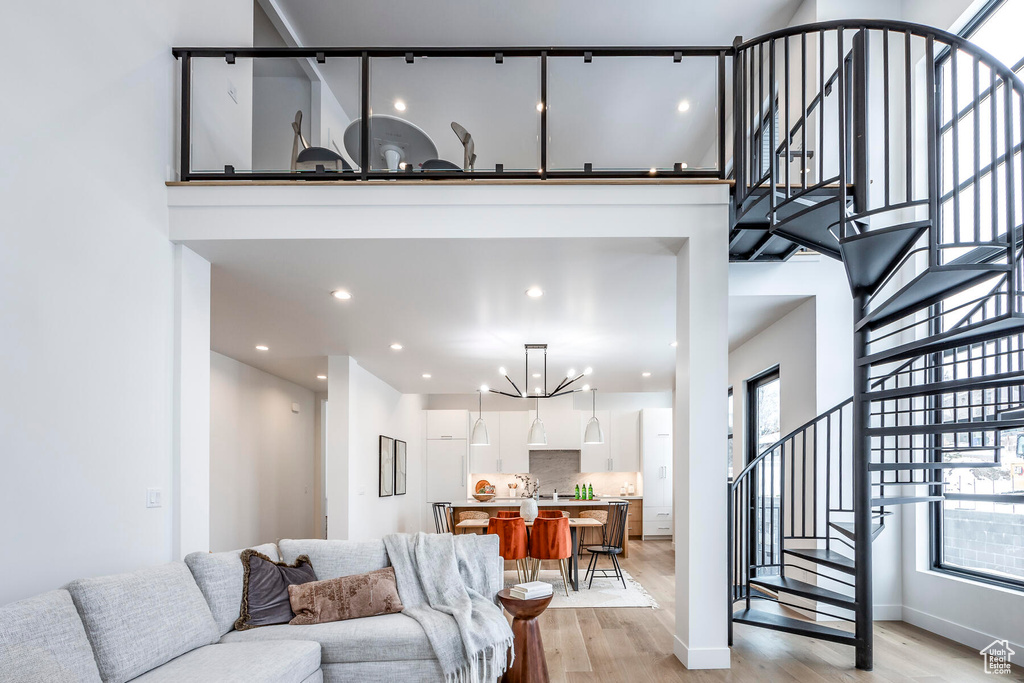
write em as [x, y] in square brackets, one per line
[751, 315]
[459, 309]
[457, 306]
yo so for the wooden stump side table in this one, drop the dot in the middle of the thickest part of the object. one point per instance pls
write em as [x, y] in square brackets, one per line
[530, 665]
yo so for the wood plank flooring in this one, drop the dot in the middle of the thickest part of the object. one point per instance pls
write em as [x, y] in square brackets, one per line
[635, 644]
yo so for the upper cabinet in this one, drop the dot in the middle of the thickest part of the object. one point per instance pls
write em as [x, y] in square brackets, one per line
[595, 457]
[447, 424]
[562, 427]
[624, 432]
[514, 454]
[486, 458]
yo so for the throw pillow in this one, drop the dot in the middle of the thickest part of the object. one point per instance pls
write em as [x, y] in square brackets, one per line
[346, 597]
[265, 589]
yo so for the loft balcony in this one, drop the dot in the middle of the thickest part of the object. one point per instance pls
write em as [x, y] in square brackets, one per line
[412, 114]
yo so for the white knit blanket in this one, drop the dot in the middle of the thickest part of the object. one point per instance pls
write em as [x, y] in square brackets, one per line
[469, 633]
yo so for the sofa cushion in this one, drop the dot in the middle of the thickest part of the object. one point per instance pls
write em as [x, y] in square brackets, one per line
[346, 597]
[138, 621]
[219, 576]
[282, 661]
[331, 559]
[373, 639]
[42, 640]
[265, 589]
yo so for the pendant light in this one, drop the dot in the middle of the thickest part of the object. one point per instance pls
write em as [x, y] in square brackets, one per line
[538, 435]
[593, 433]
[479, 436]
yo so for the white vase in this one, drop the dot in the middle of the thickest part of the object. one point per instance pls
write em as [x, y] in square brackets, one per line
[528, 509]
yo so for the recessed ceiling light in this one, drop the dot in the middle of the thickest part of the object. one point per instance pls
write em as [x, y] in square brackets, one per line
[396, 347]
[540, 106]
[683, 106]
[342, 294]
[399, 105]
[674, 344]
[646, 374]
[261, 347]
[427, 375]
[321, 376]
[535, 292]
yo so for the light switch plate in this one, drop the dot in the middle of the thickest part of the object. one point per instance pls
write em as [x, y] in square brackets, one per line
[154, 499]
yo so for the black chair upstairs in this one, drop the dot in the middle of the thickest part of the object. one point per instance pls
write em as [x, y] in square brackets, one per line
[615, 531]
[443, 517]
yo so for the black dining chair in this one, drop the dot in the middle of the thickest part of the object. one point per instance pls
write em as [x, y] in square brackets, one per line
[612, 546]
[443, 517]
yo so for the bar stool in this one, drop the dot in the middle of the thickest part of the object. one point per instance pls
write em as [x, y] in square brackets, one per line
[550, 540]
[511, 533]
[472, 514]
[599, 515]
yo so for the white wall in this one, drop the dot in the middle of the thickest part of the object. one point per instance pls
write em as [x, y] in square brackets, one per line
[378, 409]
[261, 457]
[87, 282]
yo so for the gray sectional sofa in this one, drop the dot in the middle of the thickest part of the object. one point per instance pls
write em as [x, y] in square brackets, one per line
[175, 622]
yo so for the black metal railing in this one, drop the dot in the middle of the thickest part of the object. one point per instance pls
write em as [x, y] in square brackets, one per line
[554, 137]
[789, 493]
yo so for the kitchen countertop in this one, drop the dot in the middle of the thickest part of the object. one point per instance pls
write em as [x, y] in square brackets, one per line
[545, 502]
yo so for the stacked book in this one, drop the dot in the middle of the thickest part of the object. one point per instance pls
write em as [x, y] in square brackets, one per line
[531, 590]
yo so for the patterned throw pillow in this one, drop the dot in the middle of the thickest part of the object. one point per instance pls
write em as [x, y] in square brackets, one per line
[346, 597]
[265, 589]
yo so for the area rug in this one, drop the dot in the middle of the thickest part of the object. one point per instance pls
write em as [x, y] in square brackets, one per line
[606, 593]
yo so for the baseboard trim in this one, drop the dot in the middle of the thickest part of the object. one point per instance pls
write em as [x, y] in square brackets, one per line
[701, 658]
[888, 613]
[958, 632]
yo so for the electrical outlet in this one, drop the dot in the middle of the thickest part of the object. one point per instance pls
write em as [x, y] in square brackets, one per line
[154, 499]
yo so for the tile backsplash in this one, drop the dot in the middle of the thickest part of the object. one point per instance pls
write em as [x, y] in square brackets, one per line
[560, 470]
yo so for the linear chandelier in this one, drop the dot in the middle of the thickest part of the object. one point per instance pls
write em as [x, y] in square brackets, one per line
[538, 435]
[541, 390]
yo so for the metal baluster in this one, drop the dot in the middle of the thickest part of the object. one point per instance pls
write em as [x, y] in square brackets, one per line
[885, 111]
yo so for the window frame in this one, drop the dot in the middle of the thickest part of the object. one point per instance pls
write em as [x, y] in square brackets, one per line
[750, 410]
[936, 563]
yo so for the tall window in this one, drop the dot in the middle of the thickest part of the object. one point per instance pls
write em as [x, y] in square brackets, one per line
[763, 425]
[979, 527]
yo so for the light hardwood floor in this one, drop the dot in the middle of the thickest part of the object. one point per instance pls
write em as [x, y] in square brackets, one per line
[635, 644]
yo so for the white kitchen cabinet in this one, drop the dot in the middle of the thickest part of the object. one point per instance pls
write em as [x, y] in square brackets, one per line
[487, 459]
[447, 424]
[656, 456]
[446, 470]
[514, 454]
[595, 457]
[562, 427]
[624, 432]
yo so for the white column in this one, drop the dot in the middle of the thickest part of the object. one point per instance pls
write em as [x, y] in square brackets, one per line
[191, 449]
[699, 471]
[337, 471]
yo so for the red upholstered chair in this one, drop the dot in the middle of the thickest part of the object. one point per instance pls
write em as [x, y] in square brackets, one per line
[550, 540]
[507, 514]
[552, 514]
[511, 533]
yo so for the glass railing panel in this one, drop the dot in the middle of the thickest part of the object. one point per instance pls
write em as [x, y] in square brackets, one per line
[278, 115]
[632, 113]
[414, 106]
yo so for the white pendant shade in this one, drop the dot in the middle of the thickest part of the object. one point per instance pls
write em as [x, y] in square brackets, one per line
[538, 435]
[593, 434]
[479, 436]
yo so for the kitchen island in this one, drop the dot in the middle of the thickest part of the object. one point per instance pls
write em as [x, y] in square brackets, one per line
[573, 506]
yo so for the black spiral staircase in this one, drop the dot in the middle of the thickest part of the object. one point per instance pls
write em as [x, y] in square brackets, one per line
[895, 148]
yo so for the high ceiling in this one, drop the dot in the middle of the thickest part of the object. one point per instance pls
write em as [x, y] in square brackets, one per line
[531, 22]
[459, 308]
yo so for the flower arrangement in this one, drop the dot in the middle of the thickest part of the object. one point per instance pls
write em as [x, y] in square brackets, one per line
[530, 485]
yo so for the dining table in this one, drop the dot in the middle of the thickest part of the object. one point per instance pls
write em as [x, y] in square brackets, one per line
[575, 523]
